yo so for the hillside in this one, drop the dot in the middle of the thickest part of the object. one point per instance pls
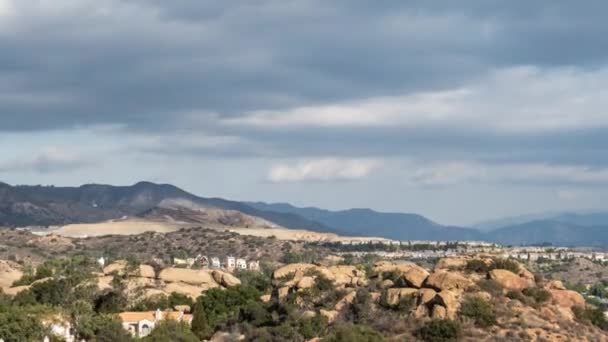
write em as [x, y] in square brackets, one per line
[366, 222]
[49, 205]
[550, 231]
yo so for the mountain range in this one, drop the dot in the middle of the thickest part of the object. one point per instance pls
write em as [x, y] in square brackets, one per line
[49, 205]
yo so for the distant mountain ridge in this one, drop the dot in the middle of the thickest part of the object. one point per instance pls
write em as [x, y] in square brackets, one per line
[367, 222]
[49, 205]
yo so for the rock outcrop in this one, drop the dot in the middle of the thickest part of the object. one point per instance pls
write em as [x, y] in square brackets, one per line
[510, 280]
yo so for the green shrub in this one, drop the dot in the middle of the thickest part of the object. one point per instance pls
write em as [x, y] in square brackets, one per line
[590, 315]
[440, 331]
[479, 310]
[539, 295]
[516, 295]
[506, 264]
[490, 286]
[477, 266]
[353, 333]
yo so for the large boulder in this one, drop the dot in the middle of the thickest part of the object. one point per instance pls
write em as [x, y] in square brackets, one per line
[192, 291]
[425, 296]
[510, 280]
[225, 279]
[192, 277]
[416, 276]
[345, 301]
[555, 285]
[567, 298]
[346, 275]
[119, 267]
[450, 301]
[443, 280]
[331, 315]
[395, 295]
[439, 312]
[306, 283]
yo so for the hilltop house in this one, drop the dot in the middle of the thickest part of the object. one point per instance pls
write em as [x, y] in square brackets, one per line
[241, 264]
[230, 262]
[141, 324]
[254, 266]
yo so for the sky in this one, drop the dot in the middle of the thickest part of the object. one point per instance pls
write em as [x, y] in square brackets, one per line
[460, 111]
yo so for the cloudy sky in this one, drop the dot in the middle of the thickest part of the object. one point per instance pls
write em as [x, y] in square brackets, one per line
[461, 111]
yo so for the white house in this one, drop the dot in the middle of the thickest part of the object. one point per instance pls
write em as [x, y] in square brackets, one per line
[230, 262]
[254, 266]
[215, 262]
[61, 327]
[141, 324]
[241, 264]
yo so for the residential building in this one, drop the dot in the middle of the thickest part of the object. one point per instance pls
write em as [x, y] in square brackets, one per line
[241, 264]
[230, 262]
[254, 266]
[215, 262]
[141, 324]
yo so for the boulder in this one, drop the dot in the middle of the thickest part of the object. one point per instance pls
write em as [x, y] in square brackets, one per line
[306, 283]
[192, 291]
[439, 312]
[421, 311]
[442, 280]
[386, 283]
[555, 285]
[309, 314]
[283, 292]
[225, 279]
[449, 300]
[147, 271]
[425, 296]
[344, 275]
[105, 283]
[192, 277]
[344, 302]
[119, 267]
[265, 298]
[416, 276]
[395, 295]
[567, 298]
[509, 280]
[331, 315]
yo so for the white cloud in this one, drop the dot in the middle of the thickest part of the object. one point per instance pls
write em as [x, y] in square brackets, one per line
[327, 169]
[449, 173]
[520, 99]
[6, 8]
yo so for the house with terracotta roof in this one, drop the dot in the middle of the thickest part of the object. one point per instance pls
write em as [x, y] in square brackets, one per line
[141, 324]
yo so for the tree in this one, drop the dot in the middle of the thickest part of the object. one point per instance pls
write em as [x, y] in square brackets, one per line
[200, 323]
[17, 325]
[170, 330]
[101, 328]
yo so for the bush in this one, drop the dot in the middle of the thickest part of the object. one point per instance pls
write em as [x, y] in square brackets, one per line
[506, 264]
[490, 286]
[539, 295]
[353, 333]
[593, 316]
[477, 266]
[169, 330]
[479, 310]
[440, 331]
